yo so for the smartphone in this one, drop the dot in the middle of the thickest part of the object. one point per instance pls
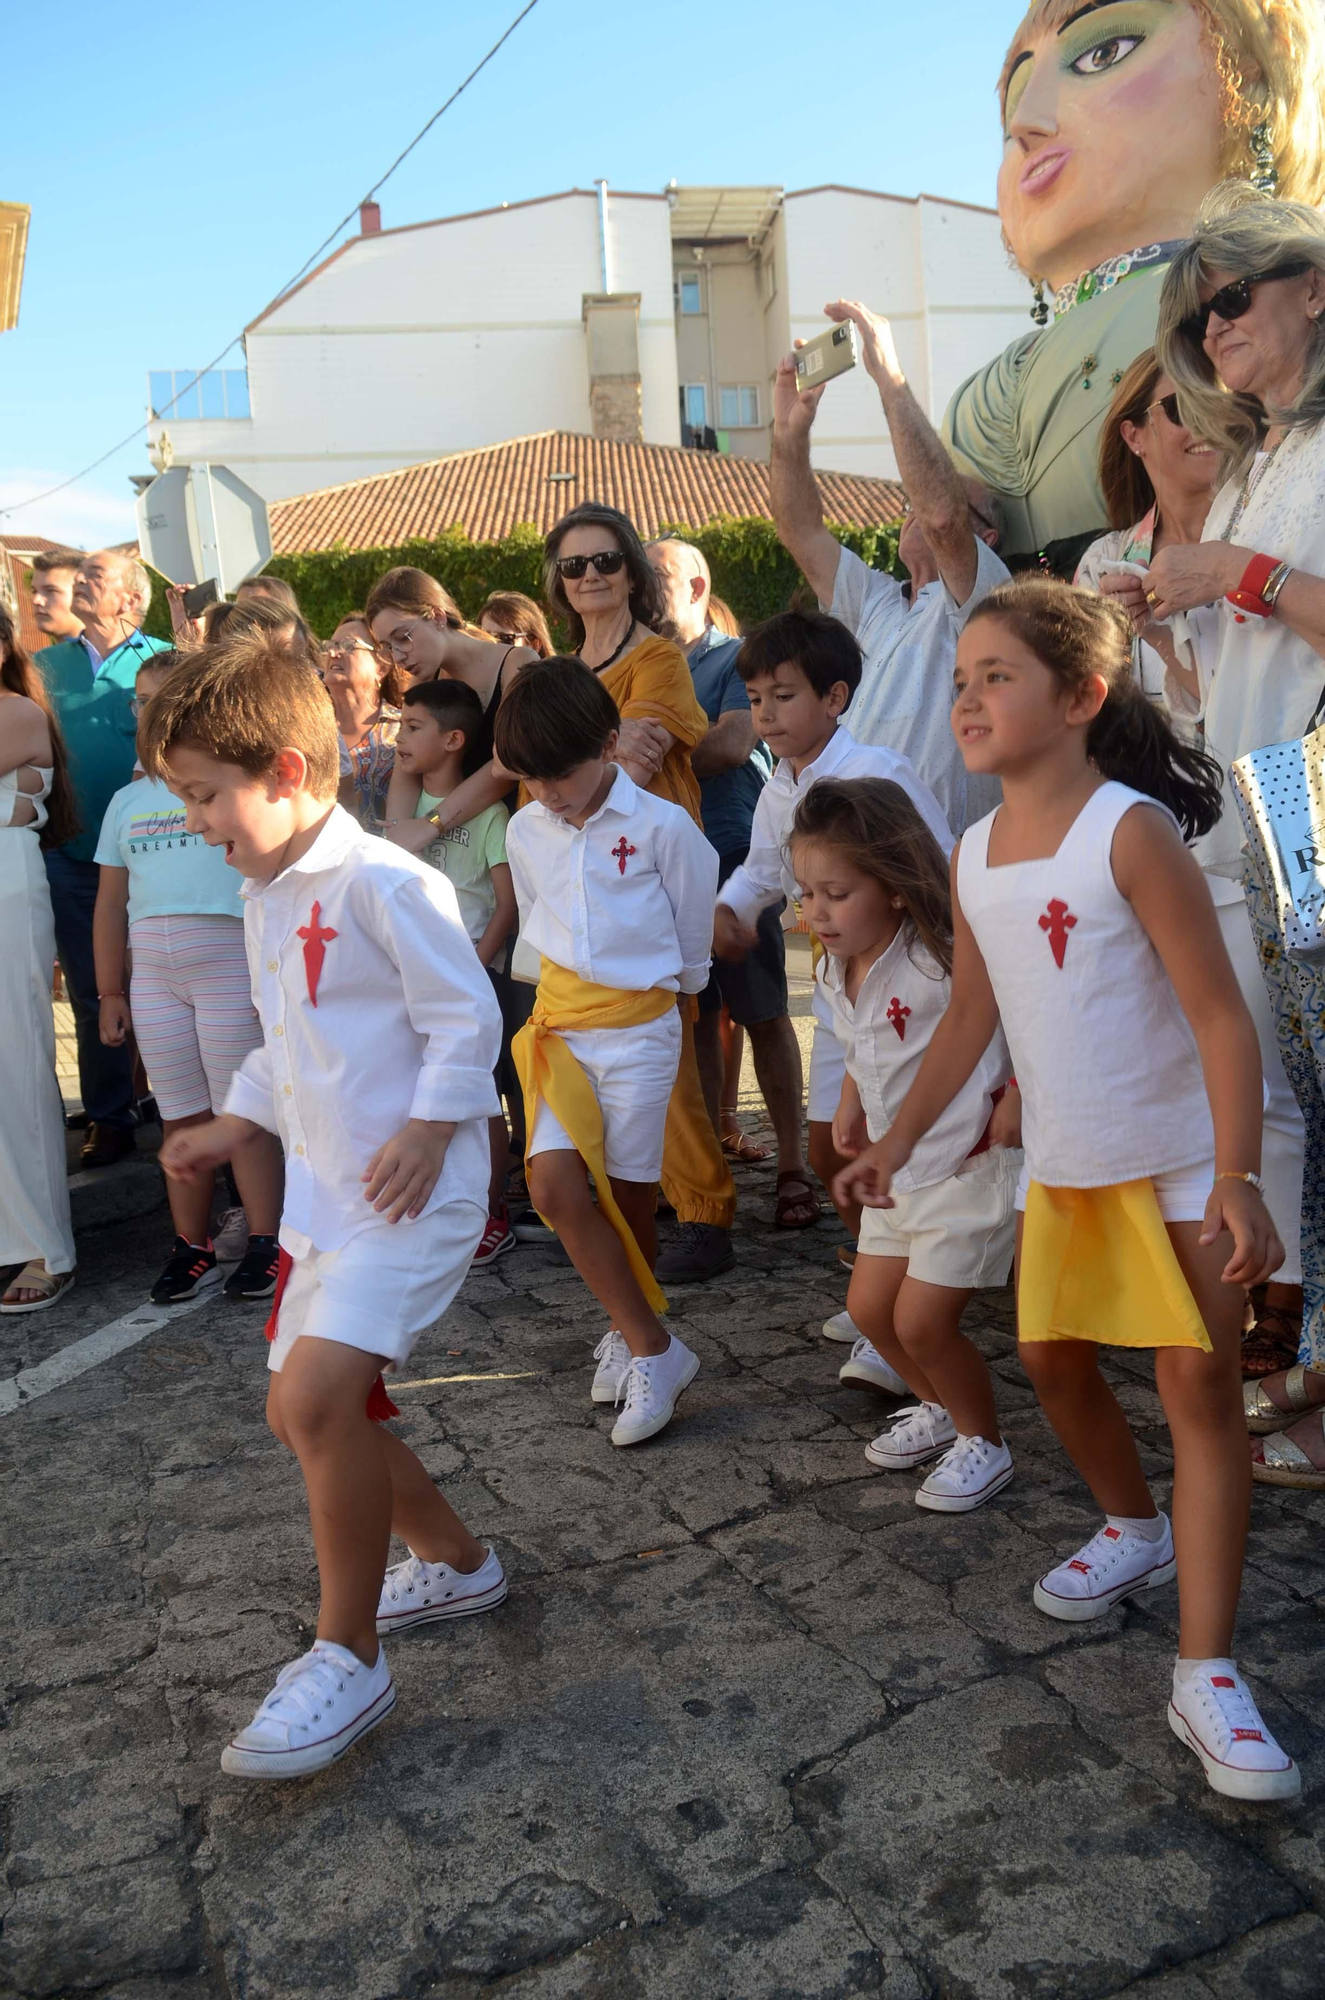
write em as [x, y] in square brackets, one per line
[828, 354]
[199, 596]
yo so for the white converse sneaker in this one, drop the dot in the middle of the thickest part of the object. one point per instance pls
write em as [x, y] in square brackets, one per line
[1114, 1564]
[649, 1389]
[416, 1592]
[321, 1705]
[867, 1365]
[841, 1327]
[613, 1358]
[970, 1472]
[1212, 1712]
[915, 1435]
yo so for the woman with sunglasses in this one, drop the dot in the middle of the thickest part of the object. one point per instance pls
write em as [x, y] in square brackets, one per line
[513, 619]
[1156, 479]
[1242, 337]
[366, 697]
[597, 576]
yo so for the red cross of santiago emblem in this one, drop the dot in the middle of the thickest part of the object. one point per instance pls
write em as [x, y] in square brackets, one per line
[897, 1014]
[315, 948]
[621, 853]
[1056, 922]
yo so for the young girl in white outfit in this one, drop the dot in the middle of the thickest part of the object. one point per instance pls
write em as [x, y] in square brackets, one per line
[874, 886]
[1080, 918]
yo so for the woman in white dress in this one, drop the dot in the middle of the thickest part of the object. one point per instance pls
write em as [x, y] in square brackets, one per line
[36, 808]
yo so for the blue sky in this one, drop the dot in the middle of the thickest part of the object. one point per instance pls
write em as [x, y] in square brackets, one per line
[186, 161]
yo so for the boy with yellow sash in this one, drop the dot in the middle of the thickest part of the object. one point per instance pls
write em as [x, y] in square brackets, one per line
[616, 891]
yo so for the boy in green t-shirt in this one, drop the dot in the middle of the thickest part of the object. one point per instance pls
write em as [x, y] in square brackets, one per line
[438, 720]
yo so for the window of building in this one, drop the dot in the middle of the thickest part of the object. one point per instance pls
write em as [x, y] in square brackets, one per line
[689, 297]
[738, 408]
[184, 394]
[695, 404]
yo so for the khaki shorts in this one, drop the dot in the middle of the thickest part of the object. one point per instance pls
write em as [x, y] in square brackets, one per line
[958, 1233]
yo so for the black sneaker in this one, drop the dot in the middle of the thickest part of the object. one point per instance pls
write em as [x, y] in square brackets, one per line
[190, 1269]
[254, 1276]
[698, 1251]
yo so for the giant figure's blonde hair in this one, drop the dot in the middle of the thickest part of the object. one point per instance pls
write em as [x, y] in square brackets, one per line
[1270, 56]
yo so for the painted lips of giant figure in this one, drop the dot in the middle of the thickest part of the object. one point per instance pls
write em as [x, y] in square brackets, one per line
[1114, 131]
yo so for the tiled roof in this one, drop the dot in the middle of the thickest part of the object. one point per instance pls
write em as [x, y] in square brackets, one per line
[488, 492]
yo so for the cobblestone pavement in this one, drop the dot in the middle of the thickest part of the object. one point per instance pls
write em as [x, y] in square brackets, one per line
[749, 1724]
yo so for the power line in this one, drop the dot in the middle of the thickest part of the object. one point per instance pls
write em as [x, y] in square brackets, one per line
[35, 499]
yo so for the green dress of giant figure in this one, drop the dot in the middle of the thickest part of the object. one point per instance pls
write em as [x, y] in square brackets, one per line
[1117, 118]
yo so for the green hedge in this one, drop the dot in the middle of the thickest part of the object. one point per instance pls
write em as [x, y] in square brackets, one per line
[751, 569]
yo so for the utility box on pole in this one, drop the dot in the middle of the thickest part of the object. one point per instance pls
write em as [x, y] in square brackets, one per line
[201, 521]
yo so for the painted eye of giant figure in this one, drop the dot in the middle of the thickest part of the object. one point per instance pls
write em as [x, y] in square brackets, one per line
[1118, 118]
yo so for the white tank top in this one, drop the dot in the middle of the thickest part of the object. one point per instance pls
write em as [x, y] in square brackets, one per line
[1102, 1052]
[10, 796]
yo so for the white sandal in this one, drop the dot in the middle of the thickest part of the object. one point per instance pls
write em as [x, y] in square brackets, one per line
[36, 1278]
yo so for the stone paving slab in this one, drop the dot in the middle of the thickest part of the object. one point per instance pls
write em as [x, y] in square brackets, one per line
[750, 1726]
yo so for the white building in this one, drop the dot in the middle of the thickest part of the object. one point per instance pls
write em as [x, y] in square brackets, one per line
[658, 317]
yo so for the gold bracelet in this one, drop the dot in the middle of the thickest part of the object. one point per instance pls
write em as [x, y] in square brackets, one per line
[1254, 1180]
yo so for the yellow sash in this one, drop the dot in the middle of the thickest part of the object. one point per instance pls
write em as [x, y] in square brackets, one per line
[547, 1069]
[1098, 1264]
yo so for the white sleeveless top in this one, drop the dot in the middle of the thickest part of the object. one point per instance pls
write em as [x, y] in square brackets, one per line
[1102, 1052]
[10, 796]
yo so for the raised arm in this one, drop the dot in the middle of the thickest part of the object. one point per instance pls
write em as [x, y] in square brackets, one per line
[933, 485]
[798, 513]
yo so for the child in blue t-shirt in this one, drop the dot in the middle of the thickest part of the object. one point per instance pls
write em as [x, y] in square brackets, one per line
[170, 903]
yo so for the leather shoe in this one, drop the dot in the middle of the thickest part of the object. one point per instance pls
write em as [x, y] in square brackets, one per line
[105, 1144]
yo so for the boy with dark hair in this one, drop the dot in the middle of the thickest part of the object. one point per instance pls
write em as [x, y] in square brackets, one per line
[801, 669]
[380, 1033]
[615, 889]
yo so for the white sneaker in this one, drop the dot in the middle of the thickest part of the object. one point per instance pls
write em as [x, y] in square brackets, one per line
[842, 1327]
[867, 1365]
[970, 1472]
[915, 1435]
[321, 1705]
[416, 1592]
[649, 1389]
[1114, 1564]
[613, 1358]
[230, 1237]
[1214, 1715]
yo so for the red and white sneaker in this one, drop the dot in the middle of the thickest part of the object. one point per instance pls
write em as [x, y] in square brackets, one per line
[1114, 1564]
[496, 1239]
[321, 1705]
[916, 1434]
[1212, 1712]
[416, 1592]
[970, 1472]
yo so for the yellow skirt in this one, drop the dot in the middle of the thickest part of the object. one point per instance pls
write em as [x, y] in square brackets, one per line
[547, 1069]
[1098, 1264]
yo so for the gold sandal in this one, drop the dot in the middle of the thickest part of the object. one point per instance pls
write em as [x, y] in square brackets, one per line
[1286, 1464]
[36, 1278]
[1263, 1416]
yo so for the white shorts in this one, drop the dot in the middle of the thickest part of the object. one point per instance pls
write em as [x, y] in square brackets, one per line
[385, 1286]
[828, 1068]
[633, 1072]
[1182, 1193]
[959, 1232]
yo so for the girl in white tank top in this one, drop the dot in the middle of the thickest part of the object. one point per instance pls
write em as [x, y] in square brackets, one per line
[874, 886]
[1080, 918]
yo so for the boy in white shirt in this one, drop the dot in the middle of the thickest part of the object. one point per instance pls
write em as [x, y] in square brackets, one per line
[380, 1034]
[800, 670]
[615, 890]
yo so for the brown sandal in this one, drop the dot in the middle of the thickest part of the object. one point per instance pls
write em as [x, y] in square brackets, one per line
[786, 1204]
[1272, 1343]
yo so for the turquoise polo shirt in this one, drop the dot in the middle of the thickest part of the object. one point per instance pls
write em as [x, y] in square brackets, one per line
[92, 704]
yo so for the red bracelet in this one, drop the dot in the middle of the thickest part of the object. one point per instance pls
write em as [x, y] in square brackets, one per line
[1247, 596]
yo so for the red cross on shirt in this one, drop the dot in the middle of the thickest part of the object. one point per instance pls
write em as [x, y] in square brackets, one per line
[315, 948]
[1056, 922]
[897, 1014]
[621, 853]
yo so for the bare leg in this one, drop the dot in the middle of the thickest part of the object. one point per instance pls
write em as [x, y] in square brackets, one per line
[872, 1302]
[927, 1318]
[499, 1155]
[709, 1058]
[777, 1061]
[559, 1189]
[638, 1202]
[190, 1201]
[1202, 1398]
[259, 1170]
[424, 1520]
[316, 1405]
[827, 1161]
[733, 1055]
[1089, 1423]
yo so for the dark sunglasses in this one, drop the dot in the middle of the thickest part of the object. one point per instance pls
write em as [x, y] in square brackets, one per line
[1169, 405]
[1234, 299]
[606, 561]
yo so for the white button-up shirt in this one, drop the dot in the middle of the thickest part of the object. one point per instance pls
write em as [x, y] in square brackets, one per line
[374, 1010]
[626, 900]
[765, 874]
[884, 1035]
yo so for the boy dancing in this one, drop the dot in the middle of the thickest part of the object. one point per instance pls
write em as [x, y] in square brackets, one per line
[380, 1034]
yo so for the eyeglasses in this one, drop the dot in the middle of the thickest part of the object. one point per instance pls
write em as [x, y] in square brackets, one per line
[340, 649]
[606, 561]
[505, 638]
[136, 707]
[1169, 405]
[1234, 299]
[398, 645]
